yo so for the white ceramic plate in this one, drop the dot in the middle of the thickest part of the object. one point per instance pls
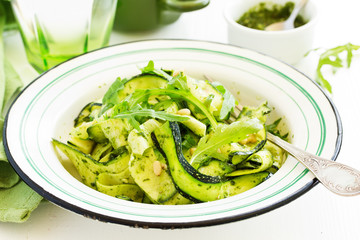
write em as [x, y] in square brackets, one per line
[47, 107]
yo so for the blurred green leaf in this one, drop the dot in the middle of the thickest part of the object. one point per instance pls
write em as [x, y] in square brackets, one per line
[332, 57]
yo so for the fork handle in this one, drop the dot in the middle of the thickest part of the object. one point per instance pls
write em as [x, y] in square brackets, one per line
[338, 178]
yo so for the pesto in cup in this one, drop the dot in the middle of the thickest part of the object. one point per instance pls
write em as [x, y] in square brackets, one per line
[266, 13]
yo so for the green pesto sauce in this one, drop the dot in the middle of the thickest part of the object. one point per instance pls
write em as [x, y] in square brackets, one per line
[266, 13]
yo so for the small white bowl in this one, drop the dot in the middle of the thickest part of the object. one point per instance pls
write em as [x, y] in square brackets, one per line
[288, 45]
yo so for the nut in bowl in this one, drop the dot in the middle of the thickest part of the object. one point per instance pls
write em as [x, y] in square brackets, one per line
[286, 45]
[47, 108]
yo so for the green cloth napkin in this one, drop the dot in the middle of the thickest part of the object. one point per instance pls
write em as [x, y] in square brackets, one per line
[17, 200]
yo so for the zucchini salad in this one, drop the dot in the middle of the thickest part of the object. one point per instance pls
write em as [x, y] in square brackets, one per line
[165, 138]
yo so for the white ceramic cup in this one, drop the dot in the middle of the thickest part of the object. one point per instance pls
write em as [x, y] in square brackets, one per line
[288, 45]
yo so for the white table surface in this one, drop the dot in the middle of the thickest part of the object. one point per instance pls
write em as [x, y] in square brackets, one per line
[317, 214]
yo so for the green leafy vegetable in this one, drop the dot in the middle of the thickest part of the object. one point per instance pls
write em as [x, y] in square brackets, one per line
[332, 57]
[223, 134]
[178, 82]
[229, 100]
[131, 109]
[208, 100]
[150, 69]
[163, 105]
[189, 141]
[111, 96]
[141, 95]
[151, 113]
[272, 128]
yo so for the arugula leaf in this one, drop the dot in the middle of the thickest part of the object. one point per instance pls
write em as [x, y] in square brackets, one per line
[141, 95]
[272, 128]
[189, 141]
[178, 82]
[261, 112]
[332, 58]
[151, 113]
[228, 103]
[131, 109]
[134, 123]
[111, 96]
[208, 100]
[150, 69]
[223, 134]
[121, 107]
[163, 105]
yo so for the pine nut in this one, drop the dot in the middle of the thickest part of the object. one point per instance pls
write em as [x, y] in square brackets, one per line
[184, 111]
[250, 139]
[192, 150]
[157, 168]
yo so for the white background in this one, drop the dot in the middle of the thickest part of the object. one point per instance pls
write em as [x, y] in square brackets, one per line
[317, 214]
